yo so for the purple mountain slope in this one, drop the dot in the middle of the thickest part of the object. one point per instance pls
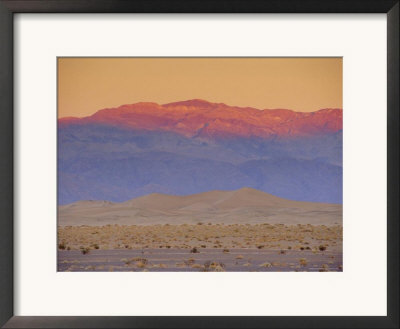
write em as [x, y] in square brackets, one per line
[121, 165]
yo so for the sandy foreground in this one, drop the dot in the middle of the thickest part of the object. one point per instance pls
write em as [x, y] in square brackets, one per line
[241, 230]
[210, 247]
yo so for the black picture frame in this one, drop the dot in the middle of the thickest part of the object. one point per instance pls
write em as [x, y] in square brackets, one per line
[10, 7]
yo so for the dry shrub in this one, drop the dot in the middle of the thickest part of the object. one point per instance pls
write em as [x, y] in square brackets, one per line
[197, 266]
[213, 266]
[160, 265]
[84, 250]
[139, 261]
[303, 261]
[219, 268]
[189, 262]
[126, 261]
[141, 264]
[90, 268]
[324, 268]
[206, 267]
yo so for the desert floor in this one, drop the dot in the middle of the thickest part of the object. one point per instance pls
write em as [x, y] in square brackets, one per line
[207, 260]
[204, 247]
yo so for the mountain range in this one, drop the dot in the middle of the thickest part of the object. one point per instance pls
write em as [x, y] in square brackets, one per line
[195, 146]
[202, 119]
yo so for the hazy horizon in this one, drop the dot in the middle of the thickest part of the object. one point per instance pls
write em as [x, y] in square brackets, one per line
[86, 85]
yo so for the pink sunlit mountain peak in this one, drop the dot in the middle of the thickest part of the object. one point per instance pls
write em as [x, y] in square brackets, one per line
[202, 119]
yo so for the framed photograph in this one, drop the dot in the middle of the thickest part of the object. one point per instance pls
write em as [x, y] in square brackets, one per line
[213, 164]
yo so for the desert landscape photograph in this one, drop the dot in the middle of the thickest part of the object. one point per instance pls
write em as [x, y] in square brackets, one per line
[199, 164]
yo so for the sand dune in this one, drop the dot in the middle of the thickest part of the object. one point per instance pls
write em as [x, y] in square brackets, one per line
[243, 206]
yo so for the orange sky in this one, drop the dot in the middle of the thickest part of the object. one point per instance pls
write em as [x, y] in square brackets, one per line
[86, 85]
